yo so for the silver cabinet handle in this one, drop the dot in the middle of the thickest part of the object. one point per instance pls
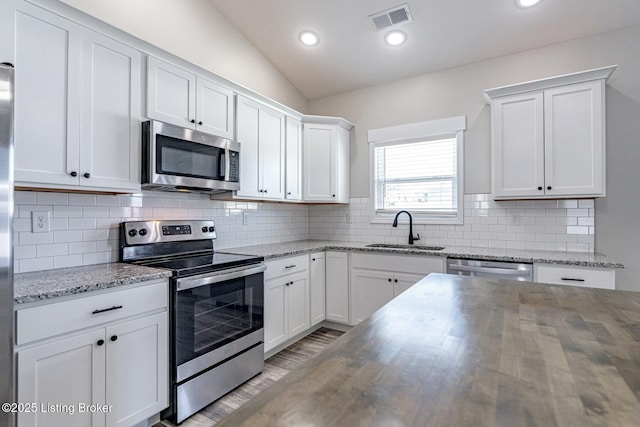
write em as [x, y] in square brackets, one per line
[569, 279]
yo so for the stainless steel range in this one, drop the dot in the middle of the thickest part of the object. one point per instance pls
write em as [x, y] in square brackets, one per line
[217, 305]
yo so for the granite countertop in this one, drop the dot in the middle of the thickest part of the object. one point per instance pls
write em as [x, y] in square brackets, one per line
[43, 285]
[464, 351]
[276, 250]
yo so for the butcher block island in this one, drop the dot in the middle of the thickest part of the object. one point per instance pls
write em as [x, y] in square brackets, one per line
[463, 351]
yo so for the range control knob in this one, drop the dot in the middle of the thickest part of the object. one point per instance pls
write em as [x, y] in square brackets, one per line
[142, 231]
[133, 233]
[205, 229]
[212, 229]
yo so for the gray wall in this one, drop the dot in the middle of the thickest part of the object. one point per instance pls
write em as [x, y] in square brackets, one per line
[458, 91]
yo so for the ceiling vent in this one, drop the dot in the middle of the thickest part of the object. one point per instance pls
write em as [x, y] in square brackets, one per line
[389, 17]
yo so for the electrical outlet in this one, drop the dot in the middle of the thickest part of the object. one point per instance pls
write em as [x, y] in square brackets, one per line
[245, 218]
[40, 222]
[349, 218]
[514, 219]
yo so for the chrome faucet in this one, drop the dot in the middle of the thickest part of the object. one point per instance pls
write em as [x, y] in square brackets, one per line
[411, 237]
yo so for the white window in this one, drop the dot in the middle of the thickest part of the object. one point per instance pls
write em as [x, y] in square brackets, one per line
[418, 168]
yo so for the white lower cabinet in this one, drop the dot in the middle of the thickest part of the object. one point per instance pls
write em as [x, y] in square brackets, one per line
[337, 286]
[377, 279]
[286, 300]
[57, 376]
[137, 381]
[115, 374]
[317, 287]
[589, 277]
[370, 290]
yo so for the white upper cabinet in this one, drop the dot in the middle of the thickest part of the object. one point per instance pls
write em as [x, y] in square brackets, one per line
[293, 159]
[171, 93]
[179, 97]
[326, 160]
[575, 139]
[109, 114]
[548, 137]
[77, 107]
[261, 134]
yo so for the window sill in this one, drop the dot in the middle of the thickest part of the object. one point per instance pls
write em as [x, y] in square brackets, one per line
[417, 220]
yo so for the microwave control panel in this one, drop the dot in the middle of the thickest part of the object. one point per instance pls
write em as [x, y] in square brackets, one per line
[234, 166]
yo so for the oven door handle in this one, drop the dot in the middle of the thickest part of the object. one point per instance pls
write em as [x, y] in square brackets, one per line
[210, 279]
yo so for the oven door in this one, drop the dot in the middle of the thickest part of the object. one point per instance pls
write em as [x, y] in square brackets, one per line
[217, 316]
[179, 157]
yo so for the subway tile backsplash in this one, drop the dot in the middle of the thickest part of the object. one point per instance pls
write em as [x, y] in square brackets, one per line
[84, 228]
[556, 225]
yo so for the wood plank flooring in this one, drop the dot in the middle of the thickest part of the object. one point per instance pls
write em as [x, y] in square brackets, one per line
[276, 367]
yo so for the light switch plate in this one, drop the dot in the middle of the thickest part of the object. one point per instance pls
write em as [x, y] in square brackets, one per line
[40, 221]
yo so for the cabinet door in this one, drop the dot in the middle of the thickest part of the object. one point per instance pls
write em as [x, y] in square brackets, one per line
[47, 92]
[297, 304]
[275, 326]
[337, 286]
[342, 175]
[110, 114]
[248, 119]
[517, 145]
[65, 372]
[574, 139]
[214, 109]
[293, 162]
[370, 290]
[320, 162]
[171, 93]
[403, 281]
[317, 287]
[575, 276]
[137, 369]
[271, 151]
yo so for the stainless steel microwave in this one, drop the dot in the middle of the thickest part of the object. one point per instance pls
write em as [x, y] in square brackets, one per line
[179, 159]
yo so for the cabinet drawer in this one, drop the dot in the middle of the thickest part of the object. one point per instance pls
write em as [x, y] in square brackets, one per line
[282, 266]
[403, 263]
[575, 276]
[58, 318]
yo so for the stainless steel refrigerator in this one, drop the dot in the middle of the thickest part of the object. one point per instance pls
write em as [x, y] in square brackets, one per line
[7, 371]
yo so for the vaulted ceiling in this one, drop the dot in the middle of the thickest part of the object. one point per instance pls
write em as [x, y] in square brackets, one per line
[444, 33]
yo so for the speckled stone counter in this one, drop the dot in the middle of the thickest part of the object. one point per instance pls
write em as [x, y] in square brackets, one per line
[48, 284]
[277, 250]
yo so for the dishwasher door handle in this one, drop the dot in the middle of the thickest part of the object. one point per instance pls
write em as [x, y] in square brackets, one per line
[492, 270]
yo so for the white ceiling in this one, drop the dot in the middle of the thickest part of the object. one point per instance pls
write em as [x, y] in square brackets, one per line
[443, 34]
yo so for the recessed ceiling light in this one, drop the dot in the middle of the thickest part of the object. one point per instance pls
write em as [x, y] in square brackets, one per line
[395, 38]
[527, 3]
[309, 38]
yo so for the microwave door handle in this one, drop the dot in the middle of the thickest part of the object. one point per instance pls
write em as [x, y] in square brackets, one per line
[222, 166]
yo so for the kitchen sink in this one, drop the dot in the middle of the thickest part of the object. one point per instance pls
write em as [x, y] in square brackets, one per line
[417, 247]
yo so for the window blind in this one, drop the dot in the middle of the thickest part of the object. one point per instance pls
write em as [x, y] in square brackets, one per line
[419, 176]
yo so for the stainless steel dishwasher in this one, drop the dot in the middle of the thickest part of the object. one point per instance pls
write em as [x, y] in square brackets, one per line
[491, 269]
